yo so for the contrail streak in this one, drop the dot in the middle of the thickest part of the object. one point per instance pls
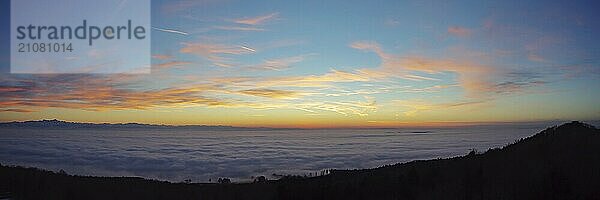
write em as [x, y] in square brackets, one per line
[170, 31]
[247, 48]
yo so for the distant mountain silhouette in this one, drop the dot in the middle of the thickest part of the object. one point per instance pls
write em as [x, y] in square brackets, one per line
[64, 124]
[558, 163]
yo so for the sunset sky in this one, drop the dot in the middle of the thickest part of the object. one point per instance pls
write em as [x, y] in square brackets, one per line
[339, 64]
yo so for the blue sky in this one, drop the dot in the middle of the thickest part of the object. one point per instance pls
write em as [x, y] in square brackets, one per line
[342, 63]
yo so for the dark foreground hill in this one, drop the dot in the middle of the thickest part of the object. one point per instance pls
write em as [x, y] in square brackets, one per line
[558, 163]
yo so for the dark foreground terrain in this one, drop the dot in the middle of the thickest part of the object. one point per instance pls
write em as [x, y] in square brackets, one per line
[558, 163]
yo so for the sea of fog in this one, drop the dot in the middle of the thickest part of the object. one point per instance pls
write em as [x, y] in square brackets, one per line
[200, 155]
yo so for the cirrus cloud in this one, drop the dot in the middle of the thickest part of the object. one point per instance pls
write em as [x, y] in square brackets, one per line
[258, 20]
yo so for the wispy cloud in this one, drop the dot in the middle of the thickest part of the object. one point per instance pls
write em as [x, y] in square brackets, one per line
[258, 20]
[171, 64]
[215, 53]
[536, 58]
[271, 93]
[360, 108]
[170, 31]
[248, 23]
[539, 45]
[279, 64]
[419, 78]
[513, 87]
[323, 80]
[392, 22]
[114, 92]
[435, 88]
[459, 31]
[414, 107]
[478, 80]
[472, 77]
[95, 92]
[247, 48]
[162, 57]
[207, 49]
[239, 28]
[299, 92]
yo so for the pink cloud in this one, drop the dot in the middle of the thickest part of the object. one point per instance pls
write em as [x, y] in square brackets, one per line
[471, 76]
[171, 64]
[459, 31]
[258, 20]
[536, 58]
[162, 57]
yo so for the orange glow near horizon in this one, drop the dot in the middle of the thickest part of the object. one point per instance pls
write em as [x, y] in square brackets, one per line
[366, 65]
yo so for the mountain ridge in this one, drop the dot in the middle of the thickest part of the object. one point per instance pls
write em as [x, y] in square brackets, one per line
[54, 123]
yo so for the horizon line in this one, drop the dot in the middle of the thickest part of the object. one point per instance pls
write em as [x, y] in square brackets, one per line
[401, 125]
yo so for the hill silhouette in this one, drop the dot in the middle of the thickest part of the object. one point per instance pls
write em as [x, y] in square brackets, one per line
[54, 123]
[558, 163]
